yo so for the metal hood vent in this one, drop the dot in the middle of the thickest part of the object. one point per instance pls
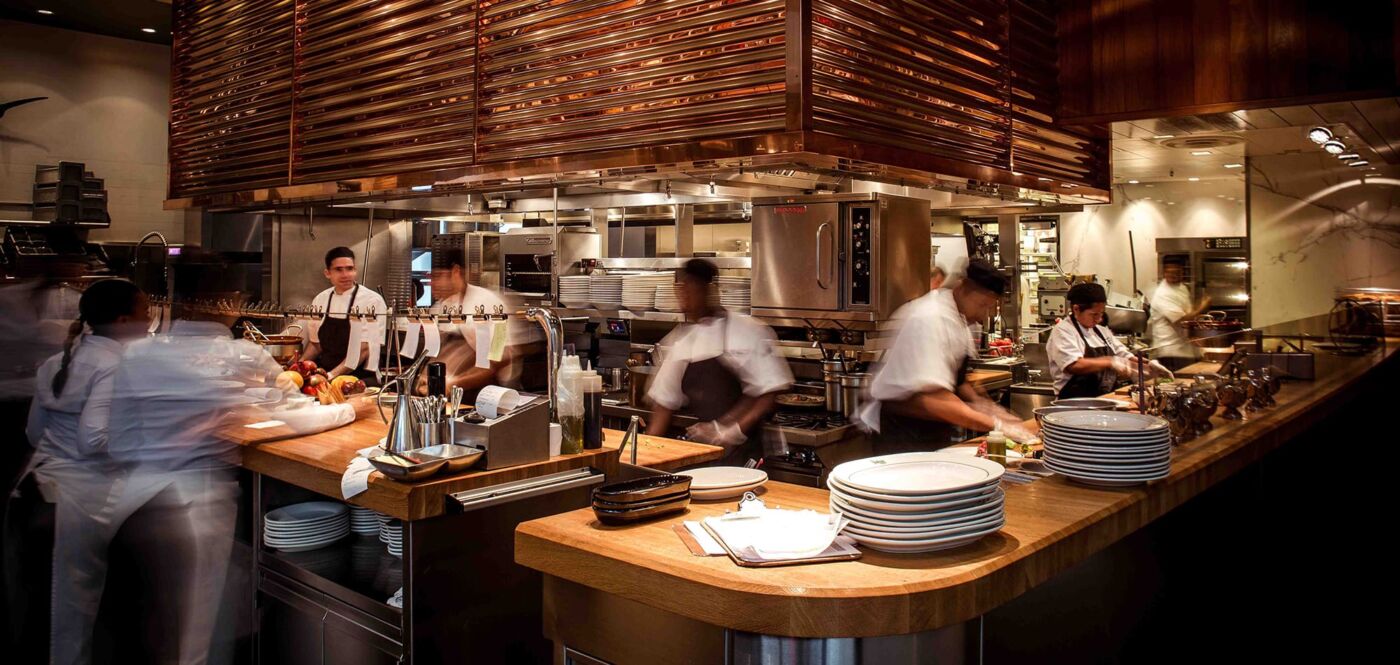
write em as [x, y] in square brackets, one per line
[292, 101]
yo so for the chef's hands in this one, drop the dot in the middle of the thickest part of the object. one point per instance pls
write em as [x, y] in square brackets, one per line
[1124, 367]
[1017, 432]
[716, 432]
[1156, 369]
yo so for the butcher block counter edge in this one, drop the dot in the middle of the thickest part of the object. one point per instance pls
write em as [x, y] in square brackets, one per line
[1052, 524]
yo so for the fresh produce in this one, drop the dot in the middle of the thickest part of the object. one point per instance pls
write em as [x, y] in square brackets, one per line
[349, 384]
[329, 393]
[289, 381]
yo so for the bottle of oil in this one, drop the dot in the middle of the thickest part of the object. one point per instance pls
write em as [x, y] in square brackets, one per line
[570, 409]
[996, 447]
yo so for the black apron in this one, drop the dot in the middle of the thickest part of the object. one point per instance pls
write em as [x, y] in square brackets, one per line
[711, 391]
[335, 336]
[1091, 385]
[907, 434]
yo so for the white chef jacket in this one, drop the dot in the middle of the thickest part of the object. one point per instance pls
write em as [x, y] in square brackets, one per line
[1066, 346]
[1169, 305]
[365, 300]
[743, 345]
[73, 424]
[928, 353]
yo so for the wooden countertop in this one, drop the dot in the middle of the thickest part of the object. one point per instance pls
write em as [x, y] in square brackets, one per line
[982, 377]
[1052, 524]
[317, 461]
[662, 453]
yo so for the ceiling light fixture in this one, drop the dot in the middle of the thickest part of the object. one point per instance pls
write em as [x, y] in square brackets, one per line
[149, 31]
[1319, 135]
[1359, 162]
[1132, 182]
[45, 12]
[1200, 153]
[1234, 166]
[1346, 156]
[1334, 147]
[1164, 136]
[1043, 179]
[1194, 179]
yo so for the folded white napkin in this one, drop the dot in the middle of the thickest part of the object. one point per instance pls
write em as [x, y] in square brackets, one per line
[775, 534]
[356, 477]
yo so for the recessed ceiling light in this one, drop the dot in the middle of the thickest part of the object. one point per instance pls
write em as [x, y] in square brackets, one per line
[1043, 179]
[1171, 203]
[1234, 166]
[1334, 147]
[1200, 153]
[45, 12]
[150, 31]
[1359, 162]
[1164, 136]
[1219, 196]
[1194, 179]
[1015, 173]
[1348, 156]
[1067, 186]
[1132, 182]
[1319, 135]
[1149, 185]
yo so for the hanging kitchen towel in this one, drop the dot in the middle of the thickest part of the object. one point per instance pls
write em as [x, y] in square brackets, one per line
[374, 337]
[498, 341]
[410, 339]
[165, 318]
[432, 339]
[484, 330]
[352, 347]
[155, 313]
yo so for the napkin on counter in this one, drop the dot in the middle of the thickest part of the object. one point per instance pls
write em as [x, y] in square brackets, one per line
[356, 477]
[772, 534]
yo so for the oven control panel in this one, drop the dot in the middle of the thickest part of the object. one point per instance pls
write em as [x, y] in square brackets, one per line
[861, 235]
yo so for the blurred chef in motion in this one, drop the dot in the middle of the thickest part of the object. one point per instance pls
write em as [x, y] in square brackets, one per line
[1171, 304]
[719, 367]
[459, 347]
[1086, 360]
[330, 337]
[920, 397]
[69, 425]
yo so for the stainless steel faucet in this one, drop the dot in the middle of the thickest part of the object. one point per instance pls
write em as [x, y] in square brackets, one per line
[632, 434]
[165, 261]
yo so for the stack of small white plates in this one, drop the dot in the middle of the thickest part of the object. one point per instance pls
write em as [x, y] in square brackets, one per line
[306, 526]
[574, 291]
[639, 291]
[1107, 448]
[734, 300]
[666, 300]
[605, 291]
[363, 521]
[918, 502]
[723, 482]
[392, 535]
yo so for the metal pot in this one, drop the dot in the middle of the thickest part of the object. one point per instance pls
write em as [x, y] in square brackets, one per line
[1213, 330]
[853, 395]
[282, 348]
[832, 370]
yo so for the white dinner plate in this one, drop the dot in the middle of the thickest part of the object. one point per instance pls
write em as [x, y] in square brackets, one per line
[917, 473]
[1110, 469]
[721, 477]
[938, 497]
[331, 519]
[302, 512]
[1104, 421]
[1085, 438]
[873, 524]
[1127, 448]
[929, 545]
[993, 502]
[980, 495]
[948, 531]
[304, 533]
[1108, 462]
[1105, 479]
[1111, 455]
[723, 492]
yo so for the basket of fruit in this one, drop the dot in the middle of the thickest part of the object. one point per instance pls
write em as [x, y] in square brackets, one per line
[306, 378]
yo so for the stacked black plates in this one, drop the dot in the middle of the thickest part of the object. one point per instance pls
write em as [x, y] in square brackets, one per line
[641, 499]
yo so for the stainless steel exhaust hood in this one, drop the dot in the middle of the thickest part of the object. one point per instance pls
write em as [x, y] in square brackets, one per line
[295, 101]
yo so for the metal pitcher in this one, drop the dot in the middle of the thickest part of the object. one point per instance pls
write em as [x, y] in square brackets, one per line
[405, 432]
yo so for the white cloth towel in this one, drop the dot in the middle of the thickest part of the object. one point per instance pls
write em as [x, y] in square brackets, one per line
[410, 339]
[355, 480]
[432, 340]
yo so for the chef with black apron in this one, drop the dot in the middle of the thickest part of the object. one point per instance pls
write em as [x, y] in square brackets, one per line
[718, 367]
[330, 337]
[1086, 360]
[920, 397]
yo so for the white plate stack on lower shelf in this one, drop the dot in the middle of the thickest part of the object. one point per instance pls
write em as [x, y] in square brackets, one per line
[363, 521]
[666, 300]
[639, 291]
[391, 534]
[1107, 448]
[734, 293]
[723, 482]
[918, 502]
[605, 291]
[302, 527]
[574, 291]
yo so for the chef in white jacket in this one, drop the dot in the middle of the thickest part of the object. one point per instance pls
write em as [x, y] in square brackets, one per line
[69, 427]
[1086, 360]
[1171, 304]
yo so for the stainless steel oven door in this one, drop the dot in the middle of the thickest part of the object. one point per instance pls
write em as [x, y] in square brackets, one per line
[796, 257]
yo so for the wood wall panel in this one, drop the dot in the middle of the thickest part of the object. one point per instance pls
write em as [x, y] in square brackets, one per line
[1132, 59]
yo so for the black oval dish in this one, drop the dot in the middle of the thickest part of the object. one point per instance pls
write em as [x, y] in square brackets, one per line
[653, 510]
[643, 489]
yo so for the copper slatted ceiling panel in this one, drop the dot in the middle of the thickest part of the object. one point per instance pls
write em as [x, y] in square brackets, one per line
[569, 76]
[383, 87]
[927, 76]
[230, 95]
[1040, 148]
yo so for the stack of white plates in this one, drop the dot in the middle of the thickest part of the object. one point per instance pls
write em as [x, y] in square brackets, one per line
[1107, 448]
[639, 291]
[574, 290]
[306, 526]
[734, 300]
[391, 534]
[918, 502]
[666, 299]
[605, 291]
[723, 482]
[363, 521]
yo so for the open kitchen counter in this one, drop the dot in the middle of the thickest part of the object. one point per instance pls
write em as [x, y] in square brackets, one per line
[316, 462]
[1052, 524]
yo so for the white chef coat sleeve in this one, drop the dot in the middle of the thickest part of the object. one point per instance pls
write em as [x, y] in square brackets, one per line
[313, 331]
[97, 411]
[1117, 346]
[753, 360]
[1168, 306]
[665, 390]
[920, 360]
[1063, 348]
